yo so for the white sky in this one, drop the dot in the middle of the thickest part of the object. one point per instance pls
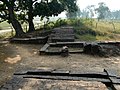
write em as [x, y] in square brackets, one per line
[112, 4]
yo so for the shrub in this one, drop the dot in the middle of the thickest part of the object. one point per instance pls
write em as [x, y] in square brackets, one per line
[60, 22]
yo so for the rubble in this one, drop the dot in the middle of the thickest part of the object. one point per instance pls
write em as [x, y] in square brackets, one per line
[102, 50]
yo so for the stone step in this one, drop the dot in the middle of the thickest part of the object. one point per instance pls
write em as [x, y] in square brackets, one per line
[62, 34]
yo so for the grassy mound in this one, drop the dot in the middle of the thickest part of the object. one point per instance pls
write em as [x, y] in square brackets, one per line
[86, 29]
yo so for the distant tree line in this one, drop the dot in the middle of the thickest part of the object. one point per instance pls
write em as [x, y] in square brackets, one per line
[101, 11]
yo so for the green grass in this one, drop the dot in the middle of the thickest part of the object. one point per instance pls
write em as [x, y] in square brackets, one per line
[4, 25]
[5, 35]
[87, 37]
[104, 30]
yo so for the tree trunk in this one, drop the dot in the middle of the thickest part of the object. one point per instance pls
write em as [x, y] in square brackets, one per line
[96, 25]
[113, 25]
[30, 18]
[31, 25]
[16, 25]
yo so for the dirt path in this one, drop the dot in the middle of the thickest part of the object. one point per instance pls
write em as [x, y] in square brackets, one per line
[19, 57]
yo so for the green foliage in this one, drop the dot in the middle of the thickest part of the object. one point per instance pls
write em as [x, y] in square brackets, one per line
[26, 10]
[5, 6]
[53, 7]
[73, 14]
[75, 22]
[70, 5]
[57, 23]
[46, 9]
[3, 12]
[60, 22]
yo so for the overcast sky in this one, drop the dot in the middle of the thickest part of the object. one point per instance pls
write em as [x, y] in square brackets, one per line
[112, 4]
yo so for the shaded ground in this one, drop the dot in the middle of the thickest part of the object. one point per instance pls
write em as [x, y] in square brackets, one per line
[19, 57]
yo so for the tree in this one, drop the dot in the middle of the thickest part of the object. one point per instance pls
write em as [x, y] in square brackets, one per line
[115, 15]
[90, 9]
[74, 11]
[26, 10]
[74, 14]
[43, 8]
[88, 12]
[102, 10]
[8, 12]
[47, 8]
[84, 13]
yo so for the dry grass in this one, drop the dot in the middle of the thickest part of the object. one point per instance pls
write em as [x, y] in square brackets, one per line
[104, 30]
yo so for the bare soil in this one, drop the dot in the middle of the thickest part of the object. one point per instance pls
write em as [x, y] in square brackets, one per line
[19, 57]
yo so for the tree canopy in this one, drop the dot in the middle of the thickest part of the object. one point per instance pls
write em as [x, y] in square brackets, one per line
[15, 11]
[8, 11]
[102, 10]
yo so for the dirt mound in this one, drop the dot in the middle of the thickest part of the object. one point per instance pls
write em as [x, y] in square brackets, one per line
[102, 50]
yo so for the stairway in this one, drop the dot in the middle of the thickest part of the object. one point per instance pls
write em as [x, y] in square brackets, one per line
[62, 34]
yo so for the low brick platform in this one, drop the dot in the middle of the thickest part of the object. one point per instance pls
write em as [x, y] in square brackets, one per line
[36, 40]
[62, 34]
[52, 79]
[18, 83]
